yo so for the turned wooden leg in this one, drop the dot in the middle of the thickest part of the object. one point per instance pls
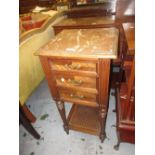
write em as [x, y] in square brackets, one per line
[102, 124]
[116, 147]
[28, 113]
[61, 109]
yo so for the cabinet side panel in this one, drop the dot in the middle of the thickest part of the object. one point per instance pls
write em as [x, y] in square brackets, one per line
[50, 77]
[104, 73]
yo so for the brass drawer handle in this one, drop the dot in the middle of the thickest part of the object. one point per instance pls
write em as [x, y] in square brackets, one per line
[73, 66]
[62, 79]
[75, 82]
[77, 96]
[71, 81]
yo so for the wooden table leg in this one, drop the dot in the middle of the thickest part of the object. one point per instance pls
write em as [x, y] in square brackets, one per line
[102, 124]
[116, 147]
[26, 123]
[28, 114]
[61, 109]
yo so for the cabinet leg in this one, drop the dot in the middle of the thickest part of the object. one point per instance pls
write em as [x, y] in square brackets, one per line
[28, 113]
[102, 124]
[61, 109]
[116, 147]
[66, 129]
[102, 137]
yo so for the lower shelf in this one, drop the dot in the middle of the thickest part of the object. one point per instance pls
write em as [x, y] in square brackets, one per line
[84, 119]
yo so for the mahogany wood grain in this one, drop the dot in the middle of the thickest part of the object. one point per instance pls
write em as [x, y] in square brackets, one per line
[104, 73]
[125, 9]
[129, 31]
[125, 106]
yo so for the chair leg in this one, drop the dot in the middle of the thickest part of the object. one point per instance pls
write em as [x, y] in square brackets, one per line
[25, 122]
[28, 114]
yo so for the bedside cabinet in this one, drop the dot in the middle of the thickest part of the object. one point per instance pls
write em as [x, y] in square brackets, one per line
[77, 67]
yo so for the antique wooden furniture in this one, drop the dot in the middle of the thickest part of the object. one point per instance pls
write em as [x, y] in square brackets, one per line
[125, 107]
[125, 11]
[77, 68]
[97, 22]
[89, 7]
[85, 22]
[125, 94]
[26, 6]
[129, 32]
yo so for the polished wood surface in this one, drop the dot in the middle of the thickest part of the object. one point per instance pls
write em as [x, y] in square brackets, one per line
[125, 103]
[125, 9]
[80, 80]
[87, 21]
[129, 31]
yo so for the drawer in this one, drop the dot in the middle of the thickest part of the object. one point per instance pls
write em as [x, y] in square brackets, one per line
[69, 65]
[76, 81]
[78, 97]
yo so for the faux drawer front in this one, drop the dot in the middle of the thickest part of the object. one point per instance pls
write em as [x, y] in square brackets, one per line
[78, 97]
[68, 65]
[76, 81]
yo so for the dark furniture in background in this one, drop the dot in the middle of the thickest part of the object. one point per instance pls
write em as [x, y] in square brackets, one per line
[129, 41]
[25, 119]
[125, 106]
[125, 93]
[45, 3]
[25, 6]
[125, 11]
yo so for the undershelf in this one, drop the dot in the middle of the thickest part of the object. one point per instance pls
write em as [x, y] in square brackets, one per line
[84, 119]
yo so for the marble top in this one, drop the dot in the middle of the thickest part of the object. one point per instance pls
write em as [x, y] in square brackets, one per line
[83, 43]
[87, 21]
